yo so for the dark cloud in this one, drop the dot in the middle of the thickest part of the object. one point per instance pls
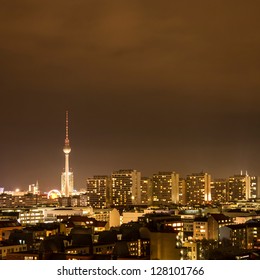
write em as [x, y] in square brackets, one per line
[149, 85]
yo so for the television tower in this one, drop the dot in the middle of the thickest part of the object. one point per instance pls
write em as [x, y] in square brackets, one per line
[67, 176]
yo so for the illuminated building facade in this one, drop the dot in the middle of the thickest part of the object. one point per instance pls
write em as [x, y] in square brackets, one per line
[165, 188]
[34, 188]
[67, 180]
[239, 187]
[219, 190]
[198, 188]
[97, 191]
[146, 191]
[244, 236]
[182, 191]
[125, 188]
[27, 200]
[31, 216]
[189, 251]
[5, 250]
[254, 187]
[200, 228]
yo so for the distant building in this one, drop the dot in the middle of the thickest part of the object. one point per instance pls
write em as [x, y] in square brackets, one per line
[208, 227]
[25, 200]
[6, 200]
[132, 216]
[198, 188]
[200, 228]
[215, 222]
[219, 190]
[182, 191]
[7, 226]
[125, 188]
[52, 214]
[109, 215]
[236, 234]
[165, 188]
[5, 249]
[146, 191]
[189, 251]
[34, 188]
[254, 187]
[98, 191]
[31, 216]
[163, 244]
[239, 187]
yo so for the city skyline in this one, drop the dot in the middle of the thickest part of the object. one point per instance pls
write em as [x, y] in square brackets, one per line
[149, 86]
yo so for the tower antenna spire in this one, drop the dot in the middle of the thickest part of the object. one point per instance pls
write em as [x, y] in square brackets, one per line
[67, 141]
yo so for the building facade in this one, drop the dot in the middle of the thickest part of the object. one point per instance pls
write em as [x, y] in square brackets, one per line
[146, 191]
[98, 191]
[219, 190]
[165, 188]
[198, 188]
[239, 187]
[125, 188]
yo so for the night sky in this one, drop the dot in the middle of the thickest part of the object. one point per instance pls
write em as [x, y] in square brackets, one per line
[150, 85]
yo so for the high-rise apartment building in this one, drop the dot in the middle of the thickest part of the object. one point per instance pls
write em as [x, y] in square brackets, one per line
[98, 191]
[125, 189]
[165, 188]
[182, 191]
[254, 187]
[219, 190]
[239, 187]
[146, 191]
[198, 188]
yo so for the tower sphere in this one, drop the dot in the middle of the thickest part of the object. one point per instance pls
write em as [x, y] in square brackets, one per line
[66, 150]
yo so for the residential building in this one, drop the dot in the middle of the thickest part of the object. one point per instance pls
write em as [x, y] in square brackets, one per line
[198, 188]
[6, 249]
[98, 191]
[219, 190]
[7, 226]
[146, 191]
[165, 188]
[125, 188]
[238, 187]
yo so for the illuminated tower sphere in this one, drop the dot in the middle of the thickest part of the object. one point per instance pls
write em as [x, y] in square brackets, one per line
[67, 176]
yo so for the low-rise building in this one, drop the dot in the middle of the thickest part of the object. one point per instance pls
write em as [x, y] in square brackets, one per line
[6, 226]
[6, 249]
